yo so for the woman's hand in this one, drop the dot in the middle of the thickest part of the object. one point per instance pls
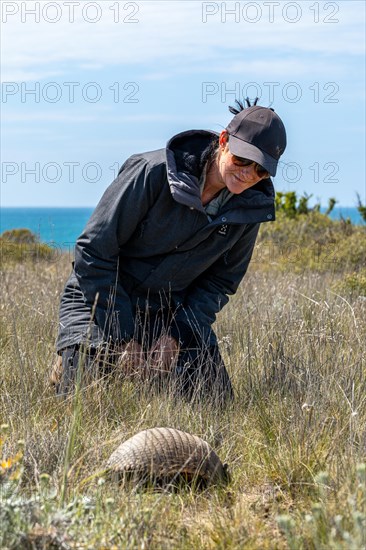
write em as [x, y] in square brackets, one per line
[131, 358]
[164, 353]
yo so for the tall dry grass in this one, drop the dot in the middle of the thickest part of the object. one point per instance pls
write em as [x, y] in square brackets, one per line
[295, 438]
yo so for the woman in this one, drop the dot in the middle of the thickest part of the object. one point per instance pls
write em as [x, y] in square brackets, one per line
[170, 239]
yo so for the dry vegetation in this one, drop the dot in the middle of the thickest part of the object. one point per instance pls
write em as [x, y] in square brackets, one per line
[295, 438]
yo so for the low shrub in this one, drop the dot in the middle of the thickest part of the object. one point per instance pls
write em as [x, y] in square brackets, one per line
[310, 241]
[21, 245]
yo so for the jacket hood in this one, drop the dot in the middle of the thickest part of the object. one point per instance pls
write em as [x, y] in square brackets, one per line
[186, 155]
[185, 159]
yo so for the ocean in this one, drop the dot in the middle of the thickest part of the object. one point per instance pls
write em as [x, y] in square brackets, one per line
[62, 226]
[56, 226]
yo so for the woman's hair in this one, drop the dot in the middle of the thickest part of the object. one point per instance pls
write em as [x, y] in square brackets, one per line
[241, 106]
[211, 152]
[209, 155]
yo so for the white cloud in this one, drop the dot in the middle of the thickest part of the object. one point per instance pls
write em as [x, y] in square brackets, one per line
[173, 35]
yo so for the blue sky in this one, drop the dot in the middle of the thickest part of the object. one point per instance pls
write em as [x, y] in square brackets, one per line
[110, 79]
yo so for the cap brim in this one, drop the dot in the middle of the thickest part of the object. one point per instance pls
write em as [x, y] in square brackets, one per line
[246, 150]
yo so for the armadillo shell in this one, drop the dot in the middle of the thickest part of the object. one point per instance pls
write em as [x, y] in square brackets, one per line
[166, 452]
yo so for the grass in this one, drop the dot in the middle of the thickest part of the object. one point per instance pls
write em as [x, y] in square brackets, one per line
[295, 438]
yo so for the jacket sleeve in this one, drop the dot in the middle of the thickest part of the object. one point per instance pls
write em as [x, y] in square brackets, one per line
[209, 293]
[118, 213]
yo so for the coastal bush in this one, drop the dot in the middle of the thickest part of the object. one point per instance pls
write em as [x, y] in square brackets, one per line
[352, 283]
[21, 245]
[292, 206]
[361, 207]
[310, 241]
[20, 236]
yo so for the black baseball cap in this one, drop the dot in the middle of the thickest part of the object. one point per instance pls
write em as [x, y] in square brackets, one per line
[257, 133]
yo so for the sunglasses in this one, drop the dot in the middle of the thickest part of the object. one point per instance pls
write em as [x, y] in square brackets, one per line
[262, 172]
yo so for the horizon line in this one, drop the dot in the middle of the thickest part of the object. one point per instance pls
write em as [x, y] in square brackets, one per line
[94, 206]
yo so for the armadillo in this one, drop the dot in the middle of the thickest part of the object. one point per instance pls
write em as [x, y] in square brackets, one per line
[163, 453]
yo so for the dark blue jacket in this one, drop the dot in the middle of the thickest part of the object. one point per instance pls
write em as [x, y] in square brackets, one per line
[149, 237]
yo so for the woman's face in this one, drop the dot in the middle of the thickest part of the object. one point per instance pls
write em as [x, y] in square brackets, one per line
[236, 174]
